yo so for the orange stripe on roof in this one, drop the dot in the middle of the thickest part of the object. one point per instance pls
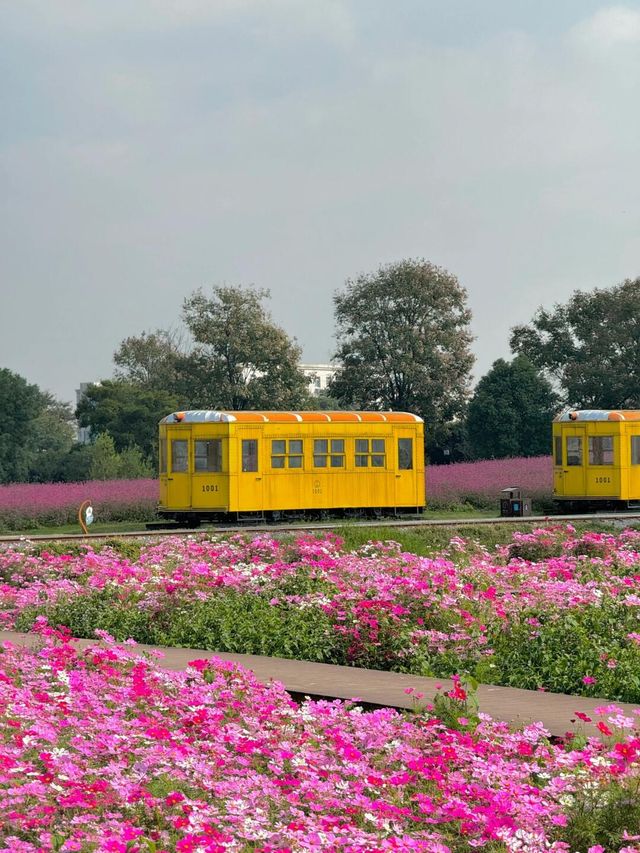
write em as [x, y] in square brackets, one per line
[249, 417]
[402, 418]
[282, 417]
[624, 415]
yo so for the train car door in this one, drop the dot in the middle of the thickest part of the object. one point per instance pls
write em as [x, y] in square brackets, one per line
[574, 472]
[406, 468]
[210, 481]
[604, 458]
[179, 467]
[251, 469]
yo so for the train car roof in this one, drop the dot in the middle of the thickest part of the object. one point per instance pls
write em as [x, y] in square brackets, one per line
[598, 415]
[200, 416]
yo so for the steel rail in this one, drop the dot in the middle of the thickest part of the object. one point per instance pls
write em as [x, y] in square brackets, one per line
[303, 527]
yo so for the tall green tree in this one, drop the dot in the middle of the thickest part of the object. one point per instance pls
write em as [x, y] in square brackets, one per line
[105, 462]
[589, 345]
[153, 360]
[53, 436]
[404, 343]
[241, 358]
[20, 404]
[129, 413]
[510, 412]
[75, 466]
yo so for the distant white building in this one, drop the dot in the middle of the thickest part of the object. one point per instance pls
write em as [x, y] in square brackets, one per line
[319, 375]
[83, 434]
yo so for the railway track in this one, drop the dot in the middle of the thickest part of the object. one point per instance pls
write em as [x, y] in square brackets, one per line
[621, 517]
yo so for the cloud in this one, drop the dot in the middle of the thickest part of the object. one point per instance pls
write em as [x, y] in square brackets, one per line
[610, 27]
[325, 19]
[154, 146]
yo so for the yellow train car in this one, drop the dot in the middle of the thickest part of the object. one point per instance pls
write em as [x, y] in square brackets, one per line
[596, 459]
[217, 464]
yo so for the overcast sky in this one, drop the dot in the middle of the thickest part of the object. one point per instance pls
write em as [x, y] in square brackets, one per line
[151, 147]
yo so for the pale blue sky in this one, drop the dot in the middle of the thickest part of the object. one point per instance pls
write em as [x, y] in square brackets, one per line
[150, 147]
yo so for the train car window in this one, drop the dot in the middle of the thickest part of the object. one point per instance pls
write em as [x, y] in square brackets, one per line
[179, 455]
[362, 452]
[337, 452]
[600, 450]
[287, 454]
[163, 456]
[295, 448]
[557, 444]
[325, 453]
[208, 455]
[405, 454]
[278, 453]
[249, 454]
[370, 453]
[320, 451]
[635, 449]
[574, 450]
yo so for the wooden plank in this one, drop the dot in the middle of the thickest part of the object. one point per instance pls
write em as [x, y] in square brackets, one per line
[517, 707]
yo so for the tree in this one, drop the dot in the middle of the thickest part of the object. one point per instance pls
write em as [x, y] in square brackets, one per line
[152, 360]
[241, 359]
[53, 436]
[133, 465]
[129, 414]
[511, 411]
[403, 343]
[20, 404]
[323, 402]
[75, 466]
[105, 463]
[590, 346]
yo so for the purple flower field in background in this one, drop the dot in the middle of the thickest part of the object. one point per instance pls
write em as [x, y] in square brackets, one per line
[27, 505]
[24, 506]
[479, 483]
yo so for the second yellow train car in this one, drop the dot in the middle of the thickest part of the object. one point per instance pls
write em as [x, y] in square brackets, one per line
[219, 464]
[596, 459]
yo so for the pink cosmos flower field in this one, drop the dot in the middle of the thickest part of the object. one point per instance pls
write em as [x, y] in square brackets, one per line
[554, 609]
[480, 483]
[104, 751]
[27, 505]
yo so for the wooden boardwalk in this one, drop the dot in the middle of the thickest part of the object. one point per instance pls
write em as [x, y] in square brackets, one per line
[385, 689]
